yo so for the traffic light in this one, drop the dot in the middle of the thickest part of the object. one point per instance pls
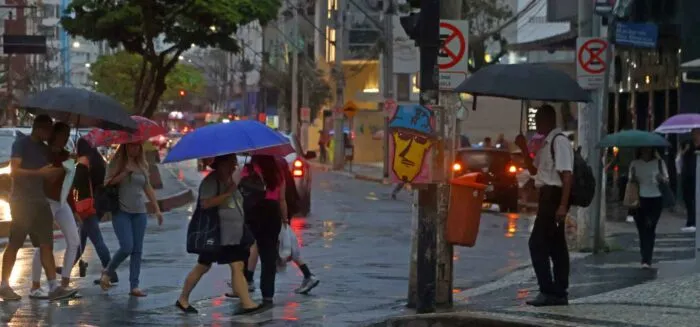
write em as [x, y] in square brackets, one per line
[411, 25]
[183, 93]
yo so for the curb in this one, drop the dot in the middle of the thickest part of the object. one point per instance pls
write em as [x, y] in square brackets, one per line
[458, 320]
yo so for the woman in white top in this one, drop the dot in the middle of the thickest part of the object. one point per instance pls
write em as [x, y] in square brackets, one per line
[648, 170]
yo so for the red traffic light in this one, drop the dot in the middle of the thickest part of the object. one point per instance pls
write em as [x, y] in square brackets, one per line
[182, 93]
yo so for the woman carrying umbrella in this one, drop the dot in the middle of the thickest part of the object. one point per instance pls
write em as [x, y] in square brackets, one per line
[129, 171]
[218, 190]
[649, 173]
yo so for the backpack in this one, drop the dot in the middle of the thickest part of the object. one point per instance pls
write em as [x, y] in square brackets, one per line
[583, 181]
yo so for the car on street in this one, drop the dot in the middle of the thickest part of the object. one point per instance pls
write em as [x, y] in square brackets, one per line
[498, 169]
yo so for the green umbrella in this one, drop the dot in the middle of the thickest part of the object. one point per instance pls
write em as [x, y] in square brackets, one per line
[633, 139]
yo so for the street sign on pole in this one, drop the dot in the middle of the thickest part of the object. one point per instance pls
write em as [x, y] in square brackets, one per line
[453, 59]
[640, 35]
[590, 61]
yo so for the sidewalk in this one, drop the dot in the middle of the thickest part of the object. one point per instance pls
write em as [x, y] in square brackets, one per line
[607, 289]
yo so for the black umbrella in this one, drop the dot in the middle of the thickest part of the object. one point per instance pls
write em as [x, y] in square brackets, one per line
[524, 82]
[80, 107]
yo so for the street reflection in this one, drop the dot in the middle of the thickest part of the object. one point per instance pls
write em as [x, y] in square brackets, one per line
[289, 312]
[512, 225]
[328, 233]
[297, 225]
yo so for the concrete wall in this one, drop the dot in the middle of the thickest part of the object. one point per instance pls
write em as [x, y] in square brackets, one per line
[492, 116]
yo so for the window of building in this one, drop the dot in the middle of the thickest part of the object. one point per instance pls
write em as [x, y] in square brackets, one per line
[363, 52]
[363, 36]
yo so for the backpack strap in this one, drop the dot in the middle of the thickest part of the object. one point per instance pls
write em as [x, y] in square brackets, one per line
[551, 147]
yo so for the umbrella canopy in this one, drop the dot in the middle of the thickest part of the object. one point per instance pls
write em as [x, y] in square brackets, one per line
[145, 130]
[80, 107]
[240, 136]
[679, 124]
[633, 139]
[524, 82]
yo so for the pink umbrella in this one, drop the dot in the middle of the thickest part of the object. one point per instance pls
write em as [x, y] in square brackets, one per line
[146, 129]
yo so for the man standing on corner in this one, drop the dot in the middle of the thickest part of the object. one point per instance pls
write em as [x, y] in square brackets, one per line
[552, 170]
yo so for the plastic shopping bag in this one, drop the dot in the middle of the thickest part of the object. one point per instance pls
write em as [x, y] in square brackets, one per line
[285, 239]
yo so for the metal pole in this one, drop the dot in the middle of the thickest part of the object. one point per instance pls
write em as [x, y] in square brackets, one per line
[339, 144]
[294, 106]
[599, 203]
[427, 196]
[388, 73]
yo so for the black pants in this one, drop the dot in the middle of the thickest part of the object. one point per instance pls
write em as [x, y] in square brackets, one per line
[646, 220]
[265, 223]
[548, 242]
[689, 199]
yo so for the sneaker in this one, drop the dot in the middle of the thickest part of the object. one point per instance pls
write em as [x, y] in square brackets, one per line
[7, 294]
[38, 294]
[542, 300]
[630, 219]
[61, 293]
[307, 285]
[688, 229]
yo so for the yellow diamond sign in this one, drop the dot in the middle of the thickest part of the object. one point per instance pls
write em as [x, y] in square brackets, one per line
[350, 109]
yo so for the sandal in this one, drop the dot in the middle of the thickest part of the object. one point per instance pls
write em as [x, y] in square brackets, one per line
[105, 282]
[231, 295]
[138, 293]
[189, 309]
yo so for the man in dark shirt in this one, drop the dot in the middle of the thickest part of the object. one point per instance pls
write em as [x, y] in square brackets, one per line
[688, 178]
[31, 213]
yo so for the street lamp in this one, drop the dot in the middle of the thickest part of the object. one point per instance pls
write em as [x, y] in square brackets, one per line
[76, 44]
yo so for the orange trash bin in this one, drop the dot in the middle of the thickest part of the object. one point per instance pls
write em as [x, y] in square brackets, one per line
[464, 213]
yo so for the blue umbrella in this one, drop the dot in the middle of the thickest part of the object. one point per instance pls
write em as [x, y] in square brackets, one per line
[240, 136]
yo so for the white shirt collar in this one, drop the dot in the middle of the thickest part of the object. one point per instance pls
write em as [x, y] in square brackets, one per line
[552, 134]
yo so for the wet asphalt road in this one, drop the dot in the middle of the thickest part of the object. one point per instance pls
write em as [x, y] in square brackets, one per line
[356, 241]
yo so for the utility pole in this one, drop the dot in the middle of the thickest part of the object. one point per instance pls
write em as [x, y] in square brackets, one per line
[445, 250]
[304, 138]
[294, 106]
[338, 119]
[429, 36]
[388, 73]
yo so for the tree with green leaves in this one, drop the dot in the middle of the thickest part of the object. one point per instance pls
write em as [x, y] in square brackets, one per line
[486, 19]
[115, 74]
[137, 25]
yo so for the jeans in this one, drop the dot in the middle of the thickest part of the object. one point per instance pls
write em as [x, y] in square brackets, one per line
[646, 219]
[63, 215]
[130, 229]
[548, 241]
[689, 199]
[91, 229]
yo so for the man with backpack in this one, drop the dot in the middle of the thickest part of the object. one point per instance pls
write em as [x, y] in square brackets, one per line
[553, 170]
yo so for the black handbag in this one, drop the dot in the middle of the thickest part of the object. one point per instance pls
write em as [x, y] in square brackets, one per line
[107, 199]
[252, 188]
[204, 229]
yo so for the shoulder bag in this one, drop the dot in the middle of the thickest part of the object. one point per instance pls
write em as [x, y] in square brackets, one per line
[85, 208]
[204, 229]
[631, 199]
